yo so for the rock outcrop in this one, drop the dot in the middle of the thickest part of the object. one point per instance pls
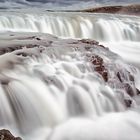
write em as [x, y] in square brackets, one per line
[102, 61]
[6, 135]
[129, 9]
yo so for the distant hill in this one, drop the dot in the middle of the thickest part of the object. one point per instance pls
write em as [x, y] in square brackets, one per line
[129, 9]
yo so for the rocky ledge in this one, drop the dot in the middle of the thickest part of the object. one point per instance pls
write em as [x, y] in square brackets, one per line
[6, 135]
[129, 9]
[107, 65]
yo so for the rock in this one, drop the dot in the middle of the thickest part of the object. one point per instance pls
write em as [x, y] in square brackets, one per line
[89, 41]
[119, 76]
[123, 78]
[128, 9]
[128, 82]
[130, 89]
[128, 102]
[138, 91]
[38, 38]
[99, 66]
[105, 75]
[6, 135]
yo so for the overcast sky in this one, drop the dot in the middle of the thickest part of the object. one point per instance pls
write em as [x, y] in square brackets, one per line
[51, 4]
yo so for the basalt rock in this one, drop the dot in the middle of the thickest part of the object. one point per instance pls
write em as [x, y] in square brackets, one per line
[6, 135]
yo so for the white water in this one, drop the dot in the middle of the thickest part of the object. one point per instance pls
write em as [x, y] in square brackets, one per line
[120, 33]
[61, 85]
[59, 96]
[98, 27]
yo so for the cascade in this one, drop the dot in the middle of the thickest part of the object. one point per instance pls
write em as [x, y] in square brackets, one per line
[74, 87]
[98, 27]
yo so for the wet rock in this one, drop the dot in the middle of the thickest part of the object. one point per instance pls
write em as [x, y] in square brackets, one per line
[119, 76]
[129, 89]
[12, 49]
[105, 75]
[128, 102]
[137, 91]
[128, 82]
[125, 76]
[99, 66]
[131, 77]
[38, 38]
[103, 46]
[89, 41]
[6, 135]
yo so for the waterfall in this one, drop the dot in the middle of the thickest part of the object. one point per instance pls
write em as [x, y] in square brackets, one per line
[61, 85]
[60, 95]
[120, 33]
[98, 27]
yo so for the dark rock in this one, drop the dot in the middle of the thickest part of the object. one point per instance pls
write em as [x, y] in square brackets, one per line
[102, 46]
[105, 76]
[128, 88]
[138, 92]
[15, 48]
[122, 77]
[89, 41]
[128, 102]
[6, 135]
[131, 77]
[119, 76]
[87, 47]
[99, 67]
[38, 38]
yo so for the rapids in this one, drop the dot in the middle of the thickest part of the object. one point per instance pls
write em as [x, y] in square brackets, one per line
[82, 25]
[59, 95]
[120, 33]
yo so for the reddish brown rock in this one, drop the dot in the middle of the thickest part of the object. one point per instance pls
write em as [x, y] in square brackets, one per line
[99, 66]
[6, 135]
[105, 75]
[128, 9]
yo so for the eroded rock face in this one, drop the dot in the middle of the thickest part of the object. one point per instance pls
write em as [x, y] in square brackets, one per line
[102, 62]
[6, 135]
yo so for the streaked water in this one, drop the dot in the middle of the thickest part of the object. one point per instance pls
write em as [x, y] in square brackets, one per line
[59, 95]
[98, 27]
[61, 85]
[120, 33]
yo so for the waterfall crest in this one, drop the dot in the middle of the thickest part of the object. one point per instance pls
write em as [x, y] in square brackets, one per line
[98, 27]
[74, 87]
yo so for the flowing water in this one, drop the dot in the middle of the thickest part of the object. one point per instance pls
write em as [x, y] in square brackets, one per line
[59, 96]
[120, 33]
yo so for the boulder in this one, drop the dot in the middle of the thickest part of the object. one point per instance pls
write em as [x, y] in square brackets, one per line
[6, 135]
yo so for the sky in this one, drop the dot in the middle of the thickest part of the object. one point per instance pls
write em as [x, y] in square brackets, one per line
[52, 4]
